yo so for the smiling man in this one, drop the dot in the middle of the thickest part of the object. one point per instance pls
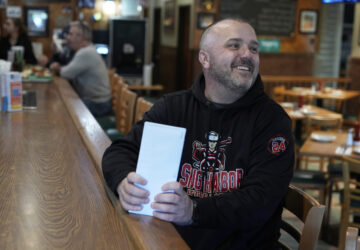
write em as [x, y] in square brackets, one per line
[238, 154]
[230, 60]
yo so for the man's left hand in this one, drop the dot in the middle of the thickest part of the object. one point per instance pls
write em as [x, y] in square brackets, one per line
[174, 206]
[55, 67]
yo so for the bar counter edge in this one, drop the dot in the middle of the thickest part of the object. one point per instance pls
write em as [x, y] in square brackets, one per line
[146, 231]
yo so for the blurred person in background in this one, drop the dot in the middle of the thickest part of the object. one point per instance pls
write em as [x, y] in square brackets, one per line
[86, 70]
[16, 36]
[62, 54]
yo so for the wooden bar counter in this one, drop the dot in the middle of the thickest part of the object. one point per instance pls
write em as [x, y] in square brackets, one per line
[52, 193]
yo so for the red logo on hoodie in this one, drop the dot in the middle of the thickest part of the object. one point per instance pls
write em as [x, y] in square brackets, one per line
[277, 144]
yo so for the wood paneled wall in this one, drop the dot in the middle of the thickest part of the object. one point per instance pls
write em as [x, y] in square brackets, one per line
[167, 68]
[353, 71]
[286, 64]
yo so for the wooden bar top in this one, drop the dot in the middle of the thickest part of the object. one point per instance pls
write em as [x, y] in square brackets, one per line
[52, 194]
[156, 87]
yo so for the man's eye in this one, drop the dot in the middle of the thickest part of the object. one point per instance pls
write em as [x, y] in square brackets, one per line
[234, 46]
[254, 50]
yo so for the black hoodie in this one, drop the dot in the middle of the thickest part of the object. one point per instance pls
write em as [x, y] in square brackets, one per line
[237, 163]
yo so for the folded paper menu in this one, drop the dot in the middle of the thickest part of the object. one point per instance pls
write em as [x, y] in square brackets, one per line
[159, 158]
[343, 150]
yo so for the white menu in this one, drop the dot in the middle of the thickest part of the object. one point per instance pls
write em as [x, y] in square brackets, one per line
[159, 158]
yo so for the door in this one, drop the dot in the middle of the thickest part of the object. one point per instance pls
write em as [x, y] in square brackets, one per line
[183, 54]
[156, 45]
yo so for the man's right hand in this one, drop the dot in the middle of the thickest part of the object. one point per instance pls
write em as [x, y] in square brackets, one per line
[131, 196]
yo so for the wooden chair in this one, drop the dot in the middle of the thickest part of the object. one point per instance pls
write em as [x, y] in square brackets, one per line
[309, 211]
[316, 122]
[277, 93]
[142, 106]
[113, 85]
[320, 122]
[312, 180]
[352, 239]
[125, 110]
[108, 123]
[351, 197]
[111, 74]
[118, 84]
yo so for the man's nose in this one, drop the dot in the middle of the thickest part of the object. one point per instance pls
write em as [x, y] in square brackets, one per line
[244, 51]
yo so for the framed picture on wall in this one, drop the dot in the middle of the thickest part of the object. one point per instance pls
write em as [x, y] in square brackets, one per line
[205, 19]
[169, 15]
[207, 5]
[37, 21]
[308, 21]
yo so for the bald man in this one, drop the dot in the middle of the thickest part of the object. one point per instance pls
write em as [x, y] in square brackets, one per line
[238, 154]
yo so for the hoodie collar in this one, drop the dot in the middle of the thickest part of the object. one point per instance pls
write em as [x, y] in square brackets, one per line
[254, 94]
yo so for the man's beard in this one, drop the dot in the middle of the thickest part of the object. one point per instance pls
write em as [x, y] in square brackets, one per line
[226, 78]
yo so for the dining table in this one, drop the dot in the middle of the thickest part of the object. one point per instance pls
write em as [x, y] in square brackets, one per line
[330, 144]
[327, 93]
[298, 115]
[53, 194]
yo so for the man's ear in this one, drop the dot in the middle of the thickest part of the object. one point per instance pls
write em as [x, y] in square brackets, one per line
[204, 59]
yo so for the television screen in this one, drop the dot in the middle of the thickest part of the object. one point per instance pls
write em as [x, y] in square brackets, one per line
[37, 21]
[102, 49]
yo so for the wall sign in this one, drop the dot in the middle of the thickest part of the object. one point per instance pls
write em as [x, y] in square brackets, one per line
[13, 11]
[268, 17]
[269, 45]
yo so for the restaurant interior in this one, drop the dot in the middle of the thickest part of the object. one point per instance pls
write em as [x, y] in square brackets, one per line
[309, 63]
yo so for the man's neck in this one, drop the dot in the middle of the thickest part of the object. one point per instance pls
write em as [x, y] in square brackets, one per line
[218, 93]
[84, 44]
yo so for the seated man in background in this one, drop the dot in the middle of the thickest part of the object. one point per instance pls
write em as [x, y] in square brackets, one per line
[61, 53]
[86, 70]
[238, 154]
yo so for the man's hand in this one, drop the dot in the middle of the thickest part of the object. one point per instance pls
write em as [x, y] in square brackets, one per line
[43, 60]
[55, 67]
[174, 206]
[131, 196]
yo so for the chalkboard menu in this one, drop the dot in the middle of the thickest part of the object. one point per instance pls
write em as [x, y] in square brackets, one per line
[268, 17]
